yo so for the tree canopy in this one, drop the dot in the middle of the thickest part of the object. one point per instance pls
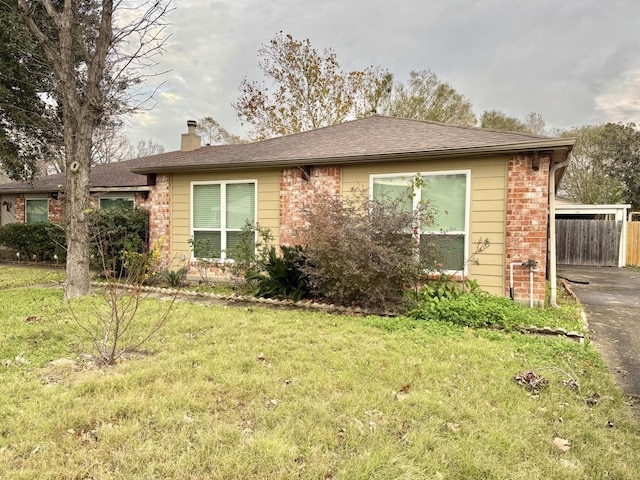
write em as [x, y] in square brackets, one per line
[426, 97]
[605, 165]
[30, 122]
[498, 120]
[309, 89]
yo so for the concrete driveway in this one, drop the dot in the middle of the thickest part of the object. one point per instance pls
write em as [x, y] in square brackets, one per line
[611, 299]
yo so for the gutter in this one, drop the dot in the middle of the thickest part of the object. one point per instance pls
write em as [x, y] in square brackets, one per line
[552, 230]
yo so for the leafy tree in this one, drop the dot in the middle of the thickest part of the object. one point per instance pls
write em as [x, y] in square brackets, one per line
[499, 120]
[622, 156]
[30, 123]
[426, 97]
[213, 133]
[309, 89]
[95, 50]
[591, 177]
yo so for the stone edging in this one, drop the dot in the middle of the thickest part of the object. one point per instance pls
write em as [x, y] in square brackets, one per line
[331, 308]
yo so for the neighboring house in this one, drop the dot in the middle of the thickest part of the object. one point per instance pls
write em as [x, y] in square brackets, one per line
[485, 184]
[42, 200]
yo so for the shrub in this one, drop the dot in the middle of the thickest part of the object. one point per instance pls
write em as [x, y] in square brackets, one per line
[283, 276]
[44, 241]
[118, 234]
[479, 309]
[361, 251]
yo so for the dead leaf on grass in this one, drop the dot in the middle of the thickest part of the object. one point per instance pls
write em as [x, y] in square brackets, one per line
[594, 399]
[562, 444]
[454, 427]
[531, 381]
[32, 318]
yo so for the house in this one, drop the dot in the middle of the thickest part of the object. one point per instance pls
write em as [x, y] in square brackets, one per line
[485, 184]
[43, 198]
[493, 184]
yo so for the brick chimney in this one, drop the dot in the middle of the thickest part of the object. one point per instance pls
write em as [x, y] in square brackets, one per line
[190, 140]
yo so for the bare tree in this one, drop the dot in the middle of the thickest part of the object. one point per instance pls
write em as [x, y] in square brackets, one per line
[97, 50]
[213, 133]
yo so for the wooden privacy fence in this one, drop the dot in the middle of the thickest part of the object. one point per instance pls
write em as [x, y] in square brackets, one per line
[633, 243]
[588, 242]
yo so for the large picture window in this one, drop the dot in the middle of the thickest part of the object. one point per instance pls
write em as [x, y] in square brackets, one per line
[447, 193]
[219, 211]
[36, 210]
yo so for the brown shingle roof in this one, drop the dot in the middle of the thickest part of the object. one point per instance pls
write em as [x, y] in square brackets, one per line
[113, 175]
[367, 139]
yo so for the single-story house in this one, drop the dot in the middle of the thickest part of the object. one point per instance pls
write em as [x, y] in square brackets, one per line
[43, 198]
[487, 184]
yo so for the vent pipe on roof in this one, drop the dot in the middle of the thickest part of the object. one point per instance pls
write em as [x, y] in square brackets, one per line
[190, 140]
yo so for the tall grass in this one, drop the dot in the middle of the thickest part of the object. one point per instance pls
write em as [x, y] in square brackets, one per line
[236, 392]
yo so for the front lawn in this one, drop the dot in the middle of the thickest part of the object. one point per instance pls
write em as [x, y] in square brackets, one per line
[249, 392]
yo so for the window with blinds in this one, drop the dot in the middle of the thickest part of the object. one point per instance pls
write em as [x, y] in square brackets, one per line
[446, 192]
[219, 212]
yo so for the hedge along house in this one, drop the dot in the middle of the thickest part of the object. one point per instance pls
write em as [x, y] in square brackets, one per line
[486, 184]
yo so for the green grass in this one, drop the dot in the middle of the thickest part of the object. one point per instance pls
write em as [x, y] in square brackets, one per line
[12, 277]
[230, 392]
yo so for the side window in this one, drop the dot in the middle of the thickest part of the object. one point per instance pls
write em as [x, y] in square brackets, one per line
[36, 210]
[123, 202]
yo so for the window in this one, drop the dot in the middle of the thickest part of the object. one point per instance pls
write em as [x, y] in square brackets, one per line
[447, 193]
[122, 202]
[36, 210]
[219, 211]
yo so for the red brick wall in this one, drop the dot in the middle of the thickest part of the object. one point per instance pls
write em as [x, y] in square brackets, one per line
[56, 210]
[296, 193]
[526, 232]
[159, 205]
[19, 208]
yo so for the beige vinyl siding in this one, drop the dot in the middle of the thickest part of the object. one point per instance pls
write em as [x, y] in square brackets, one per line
[268, 201]
[487, 216]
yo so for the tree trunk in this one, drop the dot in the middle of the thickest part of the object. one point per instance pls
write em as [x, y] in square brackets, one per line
[78, 282]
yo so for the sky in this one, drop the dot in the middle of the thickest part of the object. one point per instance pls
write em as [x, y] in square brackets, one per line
[575, 62]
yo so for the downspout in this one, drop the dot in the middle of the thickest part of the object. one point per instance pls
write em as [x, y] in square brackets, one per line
[552, 230]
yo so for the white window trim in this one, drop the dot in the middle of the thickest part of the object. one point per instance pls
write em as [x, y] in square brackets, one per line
[26, 200]
[223, 214]
[467, 207]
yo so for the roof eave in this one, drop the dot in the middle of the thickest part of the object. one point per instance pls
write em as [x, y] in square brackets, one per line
[535, 145]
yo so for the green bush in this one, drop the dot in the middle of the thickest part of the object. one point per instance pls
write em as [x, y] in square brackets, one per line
[283, 276]
[44, 241]
[117, 234]
[479, 309]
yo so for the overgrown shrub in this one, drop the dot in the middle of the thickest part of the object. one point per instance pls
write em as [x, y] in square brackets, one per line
[35, 241]
[362, 252]
[117, 235]
[282, 276]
